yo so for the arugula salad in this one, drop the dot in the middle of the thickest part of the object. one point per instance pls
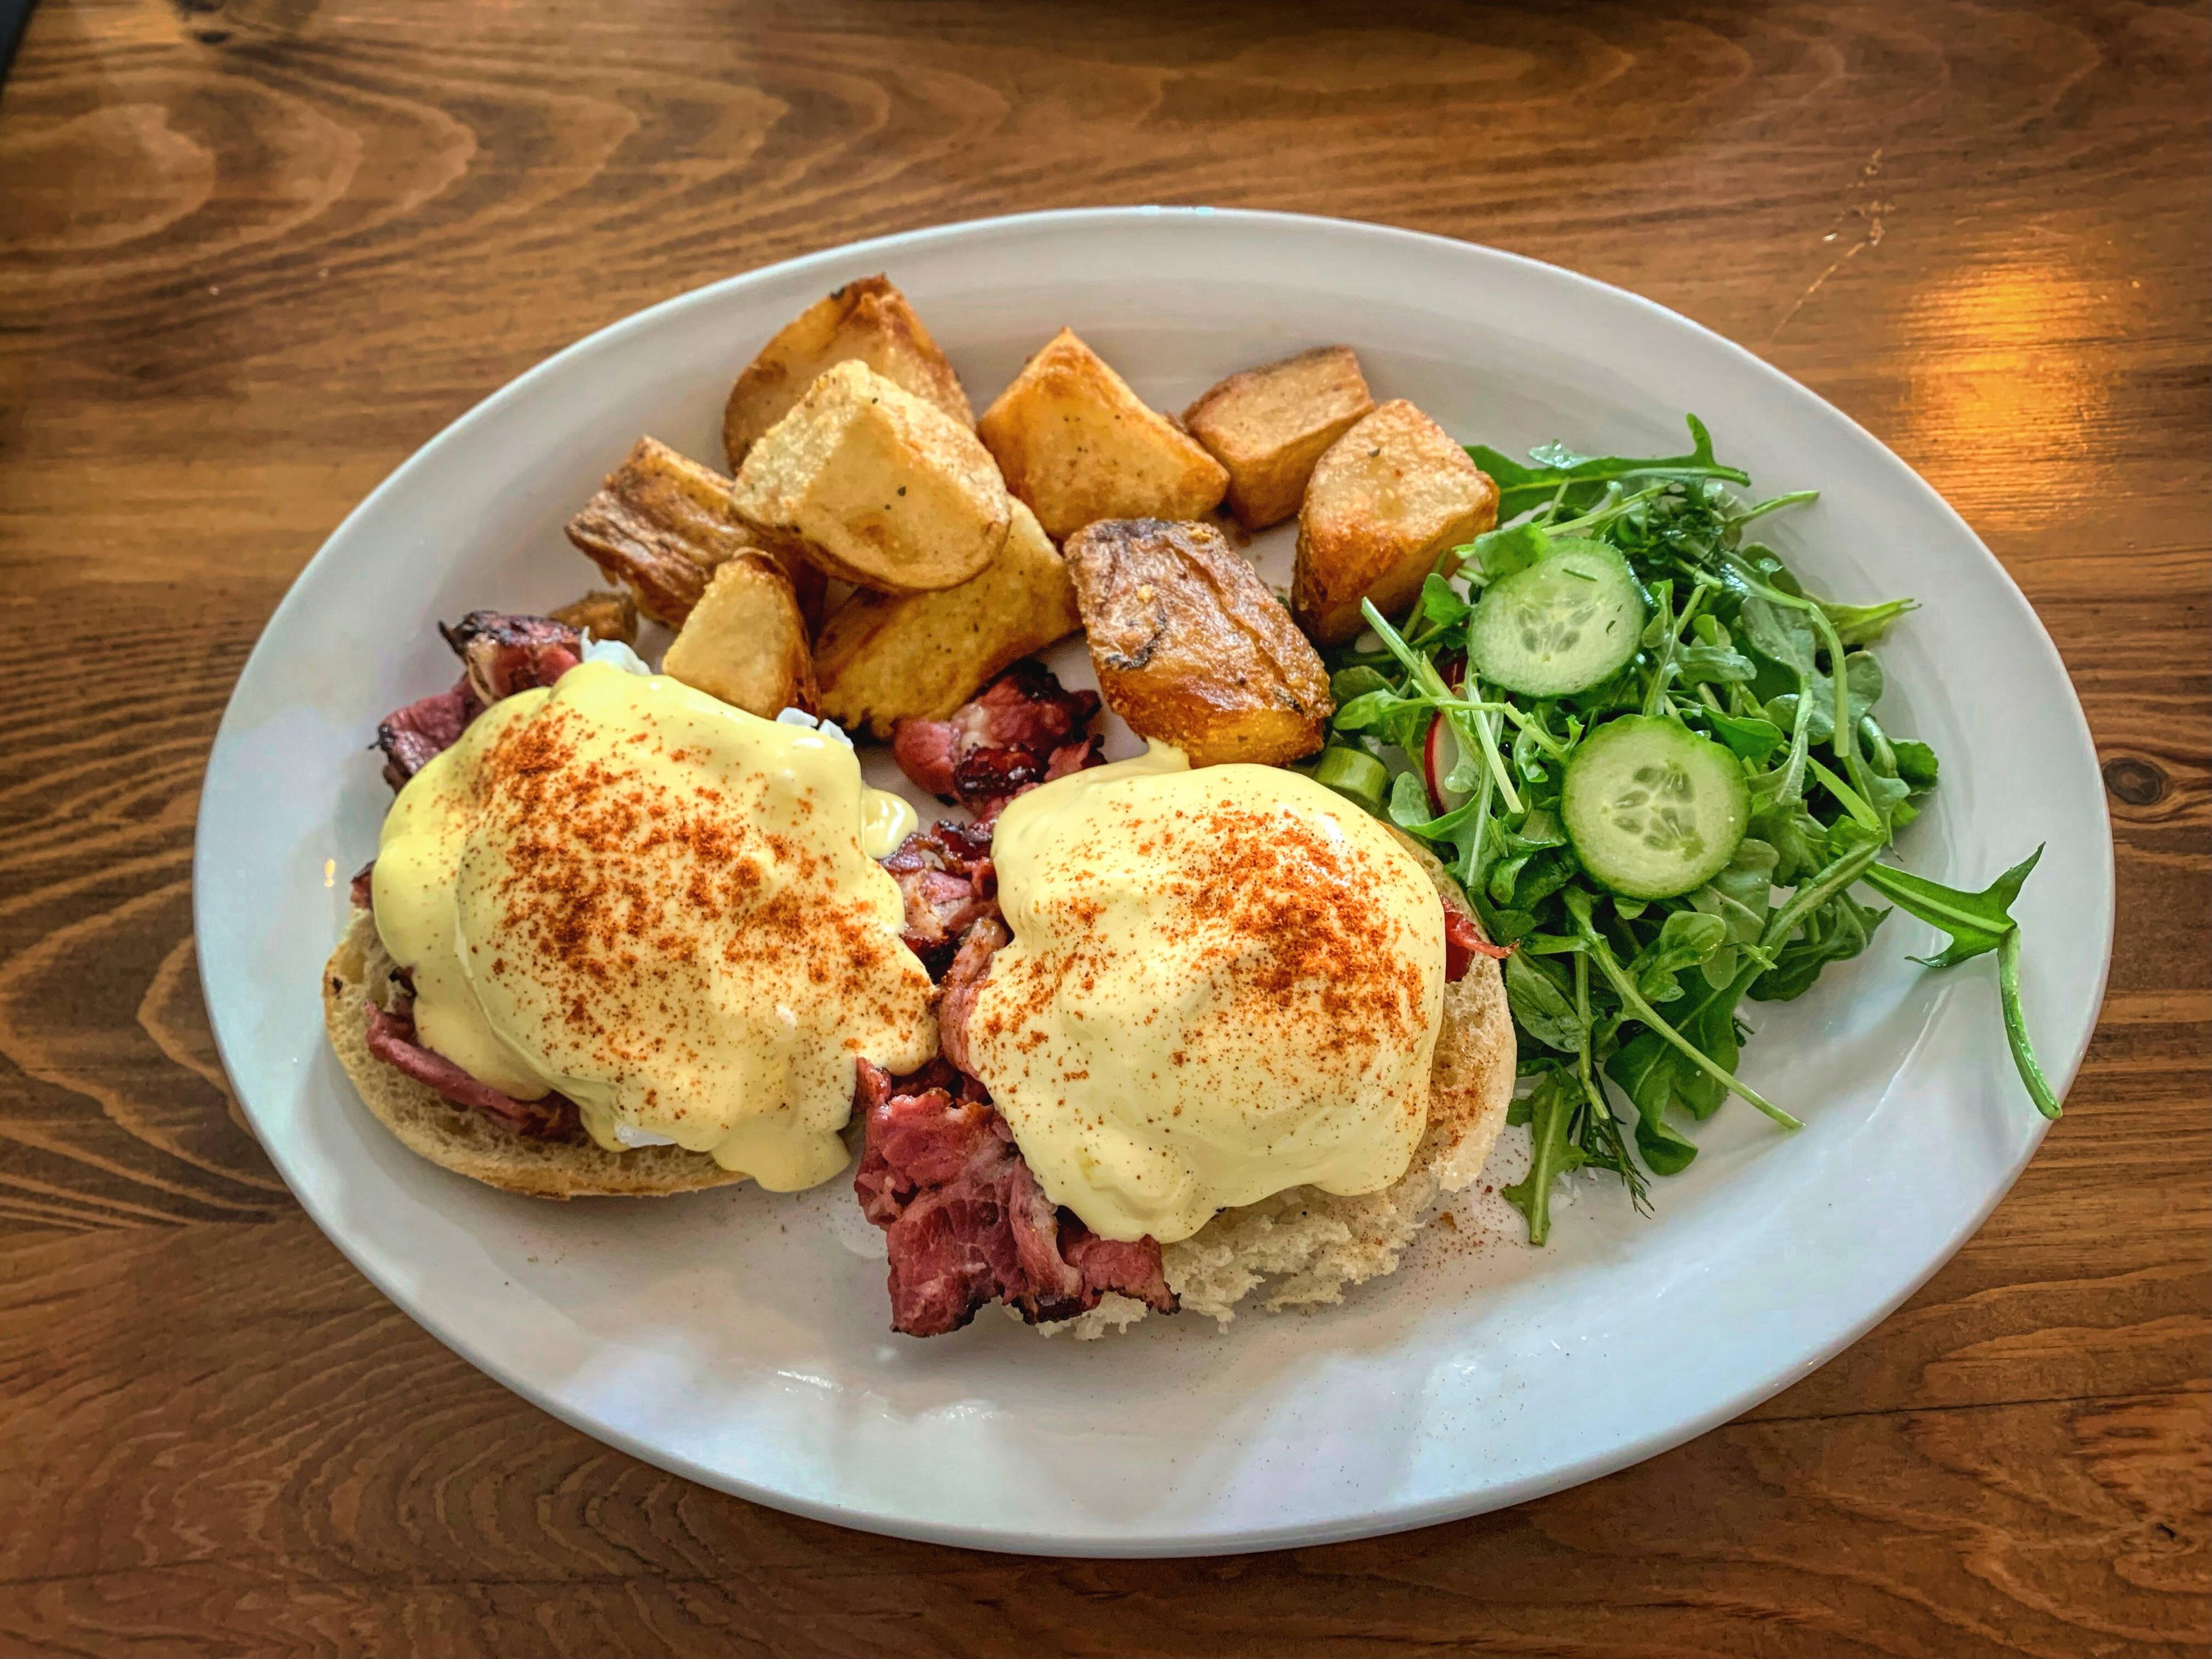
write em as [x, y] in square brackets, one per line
[1654, 761]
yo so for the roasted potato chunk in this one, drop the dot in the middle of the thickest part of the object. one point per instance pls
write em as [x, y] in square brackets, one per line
[1386, 502]
[602, 615]
[876, 487]
[745, 641]
[1191, 647]
[868, 321]
[881, 657]
[662, 524]
[1269, 425]
[1077, 445]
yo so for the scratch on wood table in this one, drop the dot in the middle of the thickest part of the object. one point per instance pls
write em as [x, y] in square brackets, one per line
[254, 252]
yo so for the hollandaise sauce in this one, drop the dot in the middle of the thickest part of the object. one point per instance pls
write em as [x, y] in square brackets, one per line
[666, 909]
[1222, 982]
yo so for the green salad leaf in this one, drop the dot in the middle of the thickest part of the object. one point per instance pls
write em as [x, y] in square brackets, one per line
[1557, 469]
[1541, 1007]
[1978, 923]
[1631, 1008]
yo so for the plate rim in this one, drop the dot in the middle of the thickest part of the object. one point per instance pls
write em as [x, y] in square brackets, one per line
[1369, 1522]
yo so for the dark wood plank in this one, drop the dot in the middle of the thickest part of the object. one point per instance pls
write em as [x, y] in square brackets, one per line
[253, 252]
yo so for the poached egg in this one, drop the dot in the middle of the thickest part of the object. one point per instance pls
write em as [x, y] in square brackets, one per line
[664, 908]
[1222, 982]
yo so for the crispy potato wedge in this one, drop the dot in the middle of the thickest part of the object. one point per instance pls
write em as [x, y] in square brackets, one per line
[662, 524]
[883, 657]
[1191, 647]
[876, 487]
[1386, 501]
[745, 641]
[869, 321]
[1269, 425]
[1077, 445]
[604, 616]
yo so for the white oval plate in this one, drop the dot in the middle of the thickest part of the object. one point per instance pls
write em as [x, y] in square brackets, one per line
[740, 1338]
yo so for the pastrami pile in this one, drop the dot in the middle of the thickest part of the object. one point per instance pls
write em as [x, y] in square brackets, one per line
[501, 654]
[1022, 729]
[965, 1221]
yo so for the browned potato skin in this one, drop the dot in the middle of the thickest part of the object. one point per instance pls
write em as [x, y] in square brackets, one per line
[869, 319]
[1269, 425]
[882, 657]
[1077, 445]
[662, 524]
[1387, 500]
[604, 616]
[745, 641]
[1191, 647]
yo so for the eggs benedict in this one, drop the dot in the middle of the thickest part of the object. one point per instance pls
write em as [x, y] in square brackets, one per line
[623, 937]
[1219, 1002]
[1220, 983]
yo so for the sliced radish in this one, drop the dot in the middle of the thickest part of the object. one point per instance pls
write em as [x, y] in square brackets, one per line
[1441, 752]
[1438, 755]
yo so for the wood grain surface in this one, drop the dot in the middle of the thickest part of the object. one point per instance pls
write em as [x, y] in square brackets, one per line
[253, 252]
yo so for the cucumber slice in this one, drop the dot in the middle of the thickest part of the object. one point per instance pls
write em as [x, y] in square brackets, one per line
[1355, 774]
[1567, 622]
[1653, 809]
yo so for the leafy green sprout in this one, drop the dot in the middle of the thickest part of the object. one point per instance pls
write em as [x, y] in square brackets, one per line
[1626, 1006]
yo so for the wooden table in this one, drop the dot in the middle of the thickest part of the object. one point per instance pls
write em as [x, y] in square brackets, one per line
[252, 252]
